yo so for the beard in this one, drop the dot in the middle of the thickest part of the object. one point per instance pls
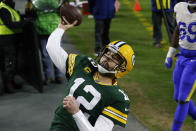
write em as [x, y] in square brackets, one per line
[105, 65]
[108, 75]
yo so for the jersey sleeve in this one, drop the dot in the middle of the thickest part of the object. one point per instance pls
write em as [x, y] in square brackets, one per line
[118, 112]
[75, 62]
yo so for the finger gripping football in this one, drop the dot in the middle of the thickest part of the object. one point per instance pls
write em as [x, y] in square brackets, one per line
[71, 14]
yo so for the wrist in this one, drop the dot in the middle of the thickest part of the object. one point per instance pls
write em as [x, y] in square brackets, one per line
[61, 26]
[60, 29]
[76, 111]
[171, 51]
[77, 114]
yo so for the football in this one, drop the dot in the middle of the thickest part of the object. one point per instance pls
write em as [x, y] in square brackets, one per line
[71, 14]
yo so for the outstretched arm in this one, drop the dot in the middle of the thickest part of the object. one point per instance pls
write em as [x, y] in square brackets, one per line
[56, 52]
[102, 123]
[172, 48]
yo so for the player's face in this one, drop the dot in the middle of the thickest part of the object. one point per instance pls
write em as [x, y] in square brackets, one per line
[110, 60]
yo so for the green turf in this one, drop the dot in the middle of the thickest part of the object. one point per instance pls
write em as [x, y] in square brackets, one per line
[149, 85]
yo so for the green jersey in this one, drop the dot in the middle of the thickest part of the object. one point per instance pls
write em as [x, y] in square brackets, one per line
[94, 99]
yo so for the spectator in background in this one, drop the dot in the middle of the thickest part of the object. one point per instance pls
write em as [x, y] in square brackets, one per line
[29, 8]
[157, 15]
[103, 12]
[11, 27]
[46, 19]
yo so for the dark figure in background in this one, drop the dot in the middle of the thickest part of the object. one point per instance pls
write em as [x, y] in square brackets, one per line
[157, 15]
[11, 27]
[29, 9]
[46, 15]
[103, 12]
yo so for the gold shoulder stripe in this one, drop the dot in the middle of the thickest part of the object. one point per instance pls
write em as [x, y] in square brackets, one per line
[116, 111]
[87, 69]
[114, 116]
[71, 63]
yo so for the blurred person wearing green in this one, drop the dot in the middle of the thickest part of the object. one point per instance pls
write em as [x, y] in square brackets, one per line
[46, 14]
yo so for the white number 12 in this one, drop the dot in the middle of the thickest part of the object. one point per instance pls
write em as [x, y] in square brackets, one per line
[88, 88]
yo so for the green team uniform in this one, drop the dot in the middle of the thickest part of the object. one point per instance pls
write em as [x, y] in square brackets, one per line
[94, 99]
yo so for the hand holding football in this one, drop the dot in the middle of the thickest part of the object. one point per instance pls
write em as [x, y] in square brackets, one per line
[70, 13]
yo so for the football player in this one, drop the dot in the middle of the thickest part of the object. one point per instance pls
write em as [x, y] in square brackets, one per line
[92, 99]
[184, 74]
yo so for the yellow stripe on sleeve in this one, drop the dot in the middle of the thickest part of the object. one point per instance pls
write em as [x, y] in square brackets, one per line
[116, 111]
[114, 116]
[71, 63]
[191, 92]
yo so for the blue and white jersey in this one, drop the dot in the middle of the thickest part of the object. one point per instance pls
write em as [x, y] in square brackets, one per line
[186, 21]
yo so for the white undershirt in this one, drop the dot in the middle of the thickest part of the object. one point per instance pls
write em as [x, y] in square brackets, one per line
[102, 123]
[55, 51]
[59, 57]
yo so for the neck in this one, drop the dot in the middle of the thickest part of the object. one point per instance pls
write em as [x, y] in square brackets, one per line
[107, 80]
